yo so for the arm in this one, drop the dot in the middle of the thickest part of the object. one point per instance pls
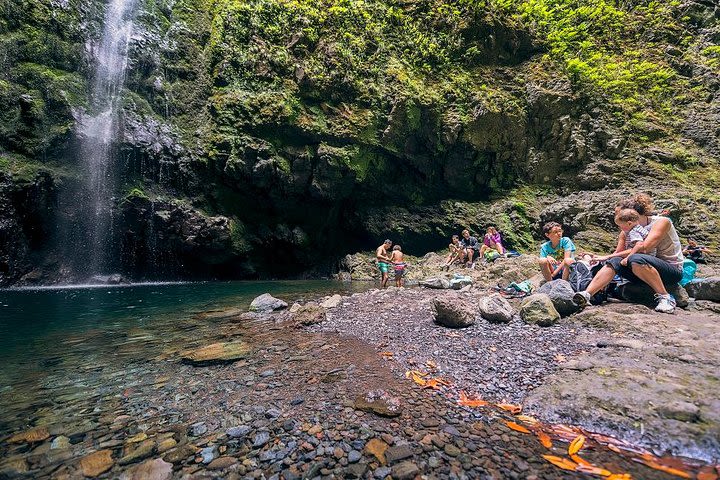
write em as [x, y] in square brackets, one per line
[637, 248]
[659, 230]
[620, 250]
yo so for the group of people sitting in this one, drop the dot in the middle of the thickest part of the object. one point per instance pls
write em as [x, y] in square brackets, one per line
[648, 250]
[468, 250]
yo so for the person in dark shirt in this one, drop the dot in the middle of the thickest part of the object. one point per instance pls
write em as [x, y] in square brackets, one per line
[695, 252]
[472, 248]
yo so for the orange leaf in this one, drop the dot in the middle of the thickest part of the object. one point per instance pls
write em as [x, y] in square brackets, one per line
[707, 473]
[560, 462]
[527, 419]
[620, 476]
[614, 448]
[516, 427]
[386, 354]
[544, 439]
[576, 444]
[469, 402]
[436, 383]
[509, 407]
[580, 461]
[593, 470]
[663, 468]
[431, 364]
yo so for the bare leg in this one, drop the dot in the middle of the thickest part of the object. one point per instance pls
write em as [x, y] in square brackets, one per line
[650, 275]
[482, 249]
[566, 268]
[470, 254]
[499, 248]
[384, 280]
[601, 280]
[546, 268]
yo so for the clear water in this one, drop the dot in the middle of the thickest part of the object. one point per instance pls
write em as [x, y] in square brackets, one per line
[60, 347]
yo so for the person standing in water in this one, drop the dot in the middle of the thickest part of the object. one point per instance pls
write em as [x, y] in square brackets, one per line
[384, 262]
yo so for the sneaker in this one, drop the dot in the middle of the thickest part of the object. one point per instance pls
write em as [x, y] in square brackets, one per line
[581, 299]
[666, 303]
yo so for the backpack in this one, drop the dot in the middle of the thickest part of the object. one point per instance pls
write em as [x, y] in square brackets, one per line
[491, 255]
[689, 268]
[580, 276]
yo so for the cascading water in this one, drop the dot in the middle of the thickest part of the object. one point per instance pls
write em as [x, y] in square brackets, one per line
[98, 133]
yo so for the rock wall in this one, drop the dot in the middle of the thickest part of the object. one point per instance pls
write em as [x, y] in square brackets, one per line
[258, 129]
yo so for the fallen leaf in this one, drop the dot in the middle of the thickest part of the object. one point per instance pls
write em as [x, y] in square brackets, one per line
[386, 354]
[707, 473]
[619, 476]
[614, 448]
[657, 466]
[576, 445]
[593, 470]
[544, 439]
[436, 383]
[580, 461]
[471, 402]
[560, 358]
[560, 462]
[431, 364]
[509, 407]
[527, 419]
[516, 427]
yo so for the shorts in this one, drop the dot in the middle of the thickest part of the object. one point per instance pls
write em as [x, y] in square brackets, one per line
[384, 267]
[399, 270]
[668, 274]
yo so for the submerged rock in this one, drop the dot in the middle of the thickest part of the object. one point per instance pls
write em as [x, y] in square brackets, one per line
[96, 463]
[453, 312]
[216, 353]
[561, 294]
[538, 309]
[267, 303]
[114, 279]
[309, 314]
[156, 469]
[496, 309]
[704, 289]
[379, 402]
[436, 282]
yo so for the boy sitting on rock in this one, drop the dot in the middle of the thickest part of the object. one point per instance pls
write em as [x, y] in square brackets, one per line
[557, 254]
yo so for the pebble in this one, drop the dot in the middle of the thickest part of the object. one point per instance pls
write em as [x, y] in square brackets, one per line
[404, 470]
[238, 432]
[397, 453]
[261, 439]
[354, 456]
[198, 429]
[208, 454]
[221, 463]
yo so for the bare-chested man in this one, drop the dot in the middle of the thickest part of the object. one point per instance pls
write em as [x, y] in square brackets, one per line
[384, 263]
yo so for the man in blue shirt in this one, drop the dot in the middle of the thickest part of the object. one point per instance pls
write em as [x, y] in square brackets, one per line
[557, 254]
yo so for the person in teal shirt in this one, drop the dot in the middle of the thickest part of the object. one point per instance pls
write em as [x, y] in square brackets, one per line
[557, 254]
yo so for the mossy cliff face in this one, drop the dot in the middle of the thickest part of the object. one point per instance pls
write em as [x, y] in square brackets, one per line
[253, 129]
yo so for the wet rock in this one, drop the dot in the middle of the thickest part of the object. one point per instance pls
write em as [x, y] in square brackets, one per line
[208, 454]
[144, 450]
[679, 410]
[166, 445]
[113, 279]
[37, 434]
[453, 312]
[356, 470]
[221, 463]
[399, 452]
[376, 448]
[96, 463]
[238, 432]
[60, 442]
[216, 353]
[13, 467]
[379, 402]
[156, 469]
[704, 289]
[332, 302]
[310, 314]
[538, 309]
[267, 303]
[561, 294]
[137, 438]
[180, 454]
[436, 282]
[404, 470]
[496, 309]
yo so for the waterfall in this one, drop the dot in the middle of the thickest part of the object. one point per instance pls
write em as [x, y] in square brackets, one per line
[98, 132]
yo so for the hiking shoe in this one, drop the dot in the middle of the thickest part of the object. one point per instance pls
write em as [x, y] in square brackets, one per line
[581, 299]
[666, 303]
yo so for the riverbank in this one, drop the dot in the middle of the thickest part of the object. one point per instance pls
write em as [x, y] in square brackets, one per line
[321, 391]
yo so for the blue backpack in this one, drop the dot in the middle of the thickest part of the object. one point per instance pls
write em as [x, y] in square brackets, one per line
[689, 268]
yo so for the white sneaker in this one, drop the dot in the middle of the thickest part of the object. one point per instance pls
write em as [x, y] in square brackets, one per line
[666, 303]
[581, 299]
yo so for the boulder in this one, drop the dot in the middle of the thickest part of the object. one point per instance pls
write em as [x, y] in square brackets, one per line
[460, 281]
[332, 302]
[496, 309]
[216, 353]
[453, 312]
[267, 303]
[538, 309]
[704, 289]
[642, 293]
[561, 294]
[309, 314]
[436, 282]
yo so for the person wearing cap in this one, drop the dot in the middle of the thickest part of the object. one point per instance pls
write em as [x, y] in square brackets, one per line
[384, 262]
